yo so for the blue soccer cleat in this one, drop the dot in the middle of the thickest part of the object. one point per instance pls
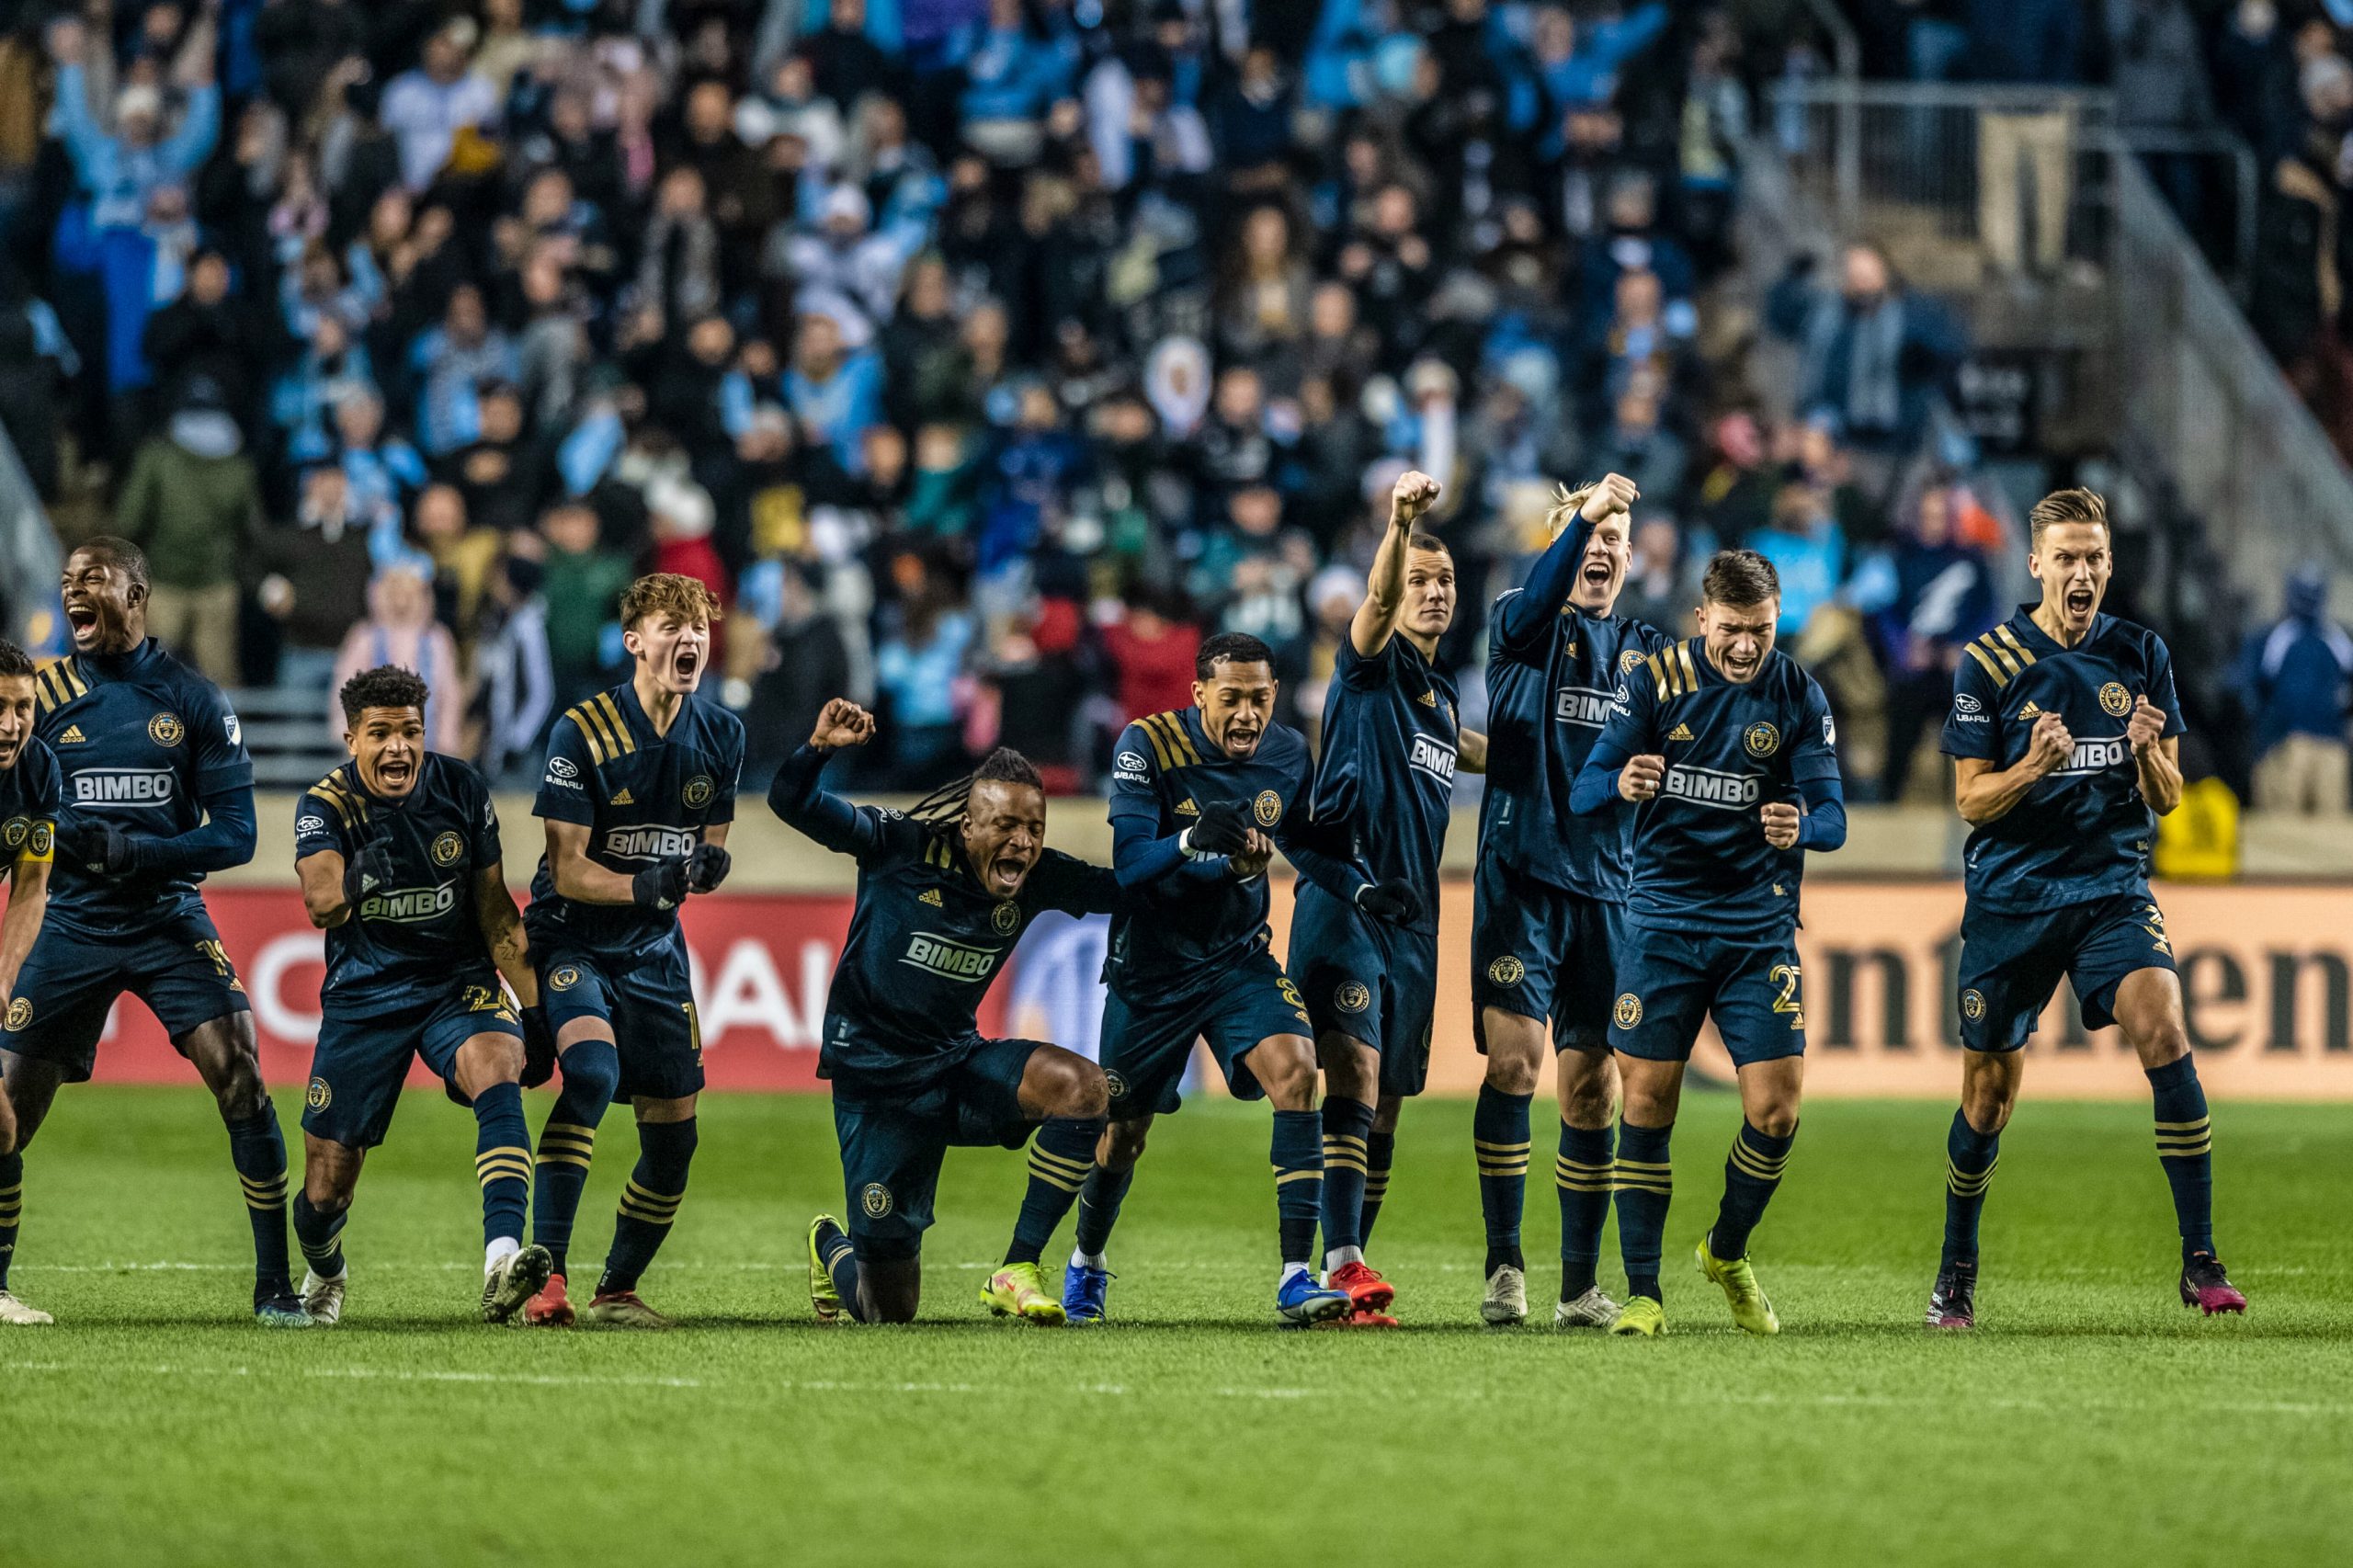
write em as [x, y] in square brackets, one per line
[1085, 1292]
[1299, 1300]
[283, 1310]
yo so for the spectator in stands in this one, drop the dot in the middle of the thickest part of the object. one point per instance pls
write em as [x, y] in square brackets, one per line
[1941, 598]
[429, 108]
[1152, 649]
[119, 170]
[312, 578]
[917, 663]
[2295, 676]
[36, 359]
[1875, 355]
[400, 630]
[450, 362]
[1661, 581]
[583, 583]
[193, 504]
[514, 678]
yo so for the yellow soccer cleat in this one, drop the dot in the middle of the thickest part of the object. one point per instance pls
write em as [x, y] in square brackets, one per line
[825, 1235]
[1750, 1310]
[1017, 1291]
[1641, 1317]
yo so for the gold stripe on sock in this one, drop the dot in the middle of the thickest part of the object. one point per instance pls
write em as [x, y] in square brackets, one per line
[1284, 1178]
[2197, 1126]
[1519, 1148]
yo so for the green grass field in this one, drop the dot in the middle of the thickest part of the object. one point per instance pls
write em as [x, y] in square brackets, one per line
[2091, 1420]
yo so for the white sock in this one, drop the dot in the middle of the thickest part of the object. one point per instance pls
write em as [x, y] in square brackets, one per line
[1085, 1259]
[1290, 1269]
[498, 1252]
[1340, 1257]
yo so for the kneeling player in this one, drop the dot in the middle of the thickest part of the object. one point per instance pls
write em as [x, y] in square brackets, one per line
[1715, 741]
[29, 797]
[399, 854]
[943, 895]
[2066, 739]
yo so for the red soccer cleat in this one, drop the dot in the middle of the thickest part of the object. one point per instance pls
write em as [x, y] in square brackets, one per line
[1365, 1317]
[551, 1308]
[2207, 1288]
[1368, 1292]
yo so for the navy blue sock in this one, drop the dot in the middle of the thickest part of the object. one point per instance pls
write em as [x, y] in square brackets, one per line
[1645, 1184]
[1348, 1127]
[1583, 1176]
[1061, 1158]
[1969, 1159]
[2186, 1150]
[259, 1150]
[840, 1254]
[502, 1160]
[1098, 1207]
[1378, 1150]
[1500, 1142]
[320, 1236]
[1298, 1153]
[592, 1076]
[650, 1201]
[1752, 1175]
[12, 1209]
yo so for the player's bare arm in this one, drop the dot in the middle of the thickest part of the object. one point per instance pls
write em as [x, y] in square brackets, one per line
[2158, 759]
[577, 876]
[1984, 793]
[323, 897]
[28, 903]
[502, 932]
[1471, 754]
[1384, 600]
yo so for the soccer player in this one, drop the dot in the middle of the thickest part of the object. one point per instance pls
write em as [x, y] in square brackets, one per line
[638, 796]
[1550, 901]
[944, 893]
[30, 786]
[158, 792]
[1367, 962]
[399, 854]
[2065, 740]
[1200, 797]
[1726, 748]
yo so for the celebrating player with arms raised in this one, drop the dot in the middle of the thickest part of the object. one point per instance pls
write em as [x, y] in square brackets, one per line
[1551, 898]
[1716, 740]
[158, 793]
[2066, 738]
[638, 794]
[29, 788]
[944, 893]
[398, 850]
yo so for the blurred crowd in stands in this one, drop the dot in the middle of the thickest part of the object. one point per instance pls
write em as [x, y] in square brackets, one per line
[982, 355]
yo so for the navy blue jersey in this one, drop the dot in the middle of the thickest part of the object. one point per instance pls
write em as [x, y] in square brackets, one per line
[644, 798]
[1178, 931]
[1548, 696]
[2083, 832]
[1701, 860]
[29, 792]
[411, 939]
[1387, 772]
[143, 743]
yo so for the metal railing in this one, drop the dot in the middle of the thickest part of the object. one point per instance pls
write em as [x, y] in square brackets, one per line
[286, 731]
[29, 563]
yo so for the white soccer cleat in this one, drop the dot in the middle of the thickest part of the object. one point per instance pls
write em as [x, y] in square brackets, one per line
[322, 1299]
[16, 1312]
[1506, 1299]
[1592, 1310]
[513, 1280]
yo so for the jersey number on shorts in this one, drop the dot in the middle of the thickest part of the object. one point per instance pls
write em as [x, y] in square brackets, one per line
[1785, 975]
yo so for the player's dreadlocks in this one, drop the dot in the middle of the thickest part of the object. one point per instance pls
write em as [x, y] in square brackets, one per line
[942, 811]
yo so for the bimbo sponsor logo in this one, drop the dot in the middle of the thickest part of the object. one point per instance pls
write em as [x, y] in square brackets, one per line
[1581, 705]
[1706, 787]
[954, 959]
[122, 787]
[1434, 757]
[411, 906]
[649, 843]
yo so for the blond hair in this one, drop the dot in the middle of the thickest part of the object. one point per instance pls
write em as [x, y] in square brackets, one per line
[2067, 506]
[668, 592]
[1567, 503]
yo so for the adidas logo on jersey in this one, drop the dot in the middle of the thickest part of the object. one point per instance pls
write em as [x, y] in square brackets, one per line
[624, 799]
[2029, 711]
[1680, 732]
[1185, 808]
[1427, 699]
[73, 736]
[931, 897]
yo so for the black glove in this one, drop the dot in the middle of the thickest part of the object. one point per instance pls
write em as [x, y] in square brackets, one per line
[660, 887]
[1393, 903]
[539, 1047]
[101, 847]
[707, 867]
[369, 870]
[1224, 829]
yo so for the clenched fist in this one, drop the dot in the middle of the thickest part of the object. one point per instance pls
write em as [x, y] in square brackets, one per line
[1640, 778]
[2050, 745]
[2147, 725]
[843, 723]
[1417, 492]
[1781, 823]
[1615, 494]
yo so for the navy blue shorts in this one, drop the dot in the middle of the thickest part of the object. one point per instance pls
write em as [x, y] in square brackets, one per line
[2011, 964]
[891, 1146]
[356, 1071]
[1670, 982]
[647, 1000]
[1369, 980]
[71, 979]
[1147, 1042]
[1545, 954]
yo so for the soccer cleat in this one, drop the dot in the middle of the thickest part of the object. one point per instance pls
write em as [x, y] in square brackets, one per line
[1365, 1317]
[824, 1300]
[1086, 1293]
[1368, 1292]
[511, 1286]
[1750, 1310]
[624, 1309]
[1641, 1317]
[1953, 1303]
[1592, 1310]
[323, 1297]
[1299, 1300]
[13, 1310]
[283, 1311]
[552, 1308]
[1506, 1299]
[1016, 1291]
[2207, 1288]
